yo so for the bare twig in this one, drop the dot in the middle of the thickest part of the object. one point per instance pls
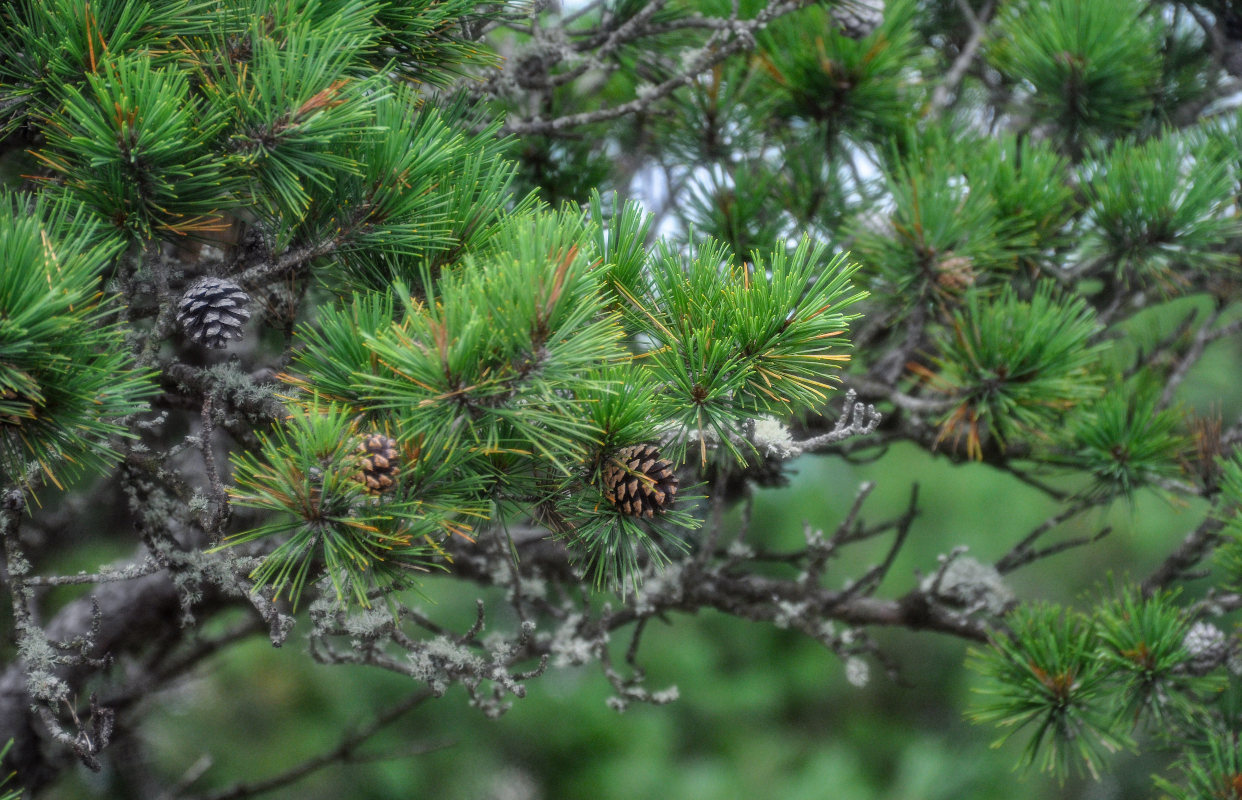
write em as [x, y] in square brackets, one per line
[1022, 552]
[978, 27]
[726, 40]
[345, 751]
[857, 419]
[871, 579]
[1197, 544]
[1203, 337]
[1028, 556]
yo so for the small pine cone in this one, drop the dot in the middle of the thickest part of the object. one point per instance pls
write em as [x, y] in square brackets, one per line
[955, 273]
[212, 311]
[639, 482]
[1207, 646]
[378, 462]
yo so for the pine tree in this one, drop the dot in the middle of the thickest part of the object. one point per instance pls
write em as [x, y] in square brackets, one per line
[315, 305]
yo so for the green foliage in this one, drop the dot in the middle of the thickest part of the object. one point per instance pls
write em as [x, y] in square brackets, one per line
[1229, 556]
[1089, 75]
[1031, 199]
[1126, 441]
[422, 34]
[8, 794]
[425, 193]
[133, 146]
[1143, 642]
[1080, 680]
[1159, 209]
[540, 330]
[940, 238]
[1213, 769]
[50, 46]
[732, 342]
[737, 208]
[855, 87]
[1046, 675]
[620, 239]
[1014, 366]
[306, 474]
[66, 375]
[520, 355]
[966, 212]
[290, 102]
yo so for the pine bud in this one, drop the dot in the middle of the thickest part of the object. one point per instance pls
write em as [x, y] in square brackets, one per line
[212, 311]
[639, 482]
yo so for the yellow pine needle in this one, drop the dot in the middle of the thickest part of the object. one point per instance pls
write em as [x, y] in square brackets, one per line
[647, 313]
[59, 167]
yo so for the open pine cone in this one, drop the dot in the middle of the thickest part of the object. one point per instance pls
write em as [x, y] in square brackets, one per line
[212, 311]
[639, 482]
[378, 463]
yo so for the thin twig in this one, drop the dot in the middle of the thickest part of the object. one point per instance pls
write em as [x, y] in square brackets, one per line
[1203, 337]
[871, 580]
[1197, 544]
[1020, 553]
[130, 572]
[728, 40]
[978, 27]
[344, 752]
[1028, 556]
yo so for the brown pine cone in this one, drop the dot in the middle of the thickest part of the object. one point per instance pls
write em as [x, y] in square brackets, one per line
[378, 462]
[639, 482]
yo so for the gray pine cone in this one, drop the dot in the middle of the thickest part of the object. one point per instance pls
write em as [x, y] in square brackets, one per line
[212, 311]
[858, 18]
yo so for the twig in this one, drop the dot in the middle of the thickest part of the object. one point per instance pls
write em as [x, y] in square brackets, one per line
[217, 519]
[1197, 544]
[1203, 337]
[870, 581]
[857, 419]
[1020, 553]
[736, 37]
[344, 752]
[1143, 360]
[1028, 556]
[130, 572]
[940, 97]
[288, 261]
[13, 564]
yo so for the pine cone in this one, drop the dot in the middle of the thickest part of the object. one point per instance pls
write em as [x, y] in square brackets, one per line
[378, 462]
[639, 482]
[858, 18]
[212, 311]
